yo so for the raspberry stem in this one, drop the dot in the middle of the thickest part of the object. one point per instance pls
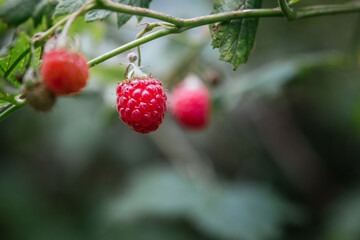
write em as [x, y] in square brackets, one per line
[289, 13]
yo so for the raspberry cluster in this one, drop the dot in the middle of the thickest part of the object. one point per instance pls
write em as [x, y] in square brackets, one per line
[141, 103]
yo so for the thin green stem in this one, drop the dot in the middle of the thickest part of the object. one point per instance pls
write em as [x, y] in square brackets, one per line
[226, 16]
[149, 27]
[324, 10]
[133, 44]
[139, 56]
[42, 37]
[10, 109]
[123, 8]
[289, 13]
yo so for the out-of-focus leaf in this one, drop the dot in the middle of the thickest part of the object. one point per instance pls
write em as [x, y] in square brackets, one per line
[158, 192]
[123, 18]
[244, 212]
[226, 212]
[6, 40]
[68, 6]
[267, 80]
[15, 12]
[45, 9]
[343, 222]
[234, 38]
[14, 61]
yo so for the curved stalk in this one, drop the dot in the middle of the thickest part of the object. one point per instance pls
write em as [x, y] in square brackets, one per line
[133, 44]
[289, 13]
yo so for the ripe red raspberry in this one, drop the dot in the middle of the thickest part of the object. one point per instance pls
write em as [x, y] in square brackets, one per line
[190, 103]
[64, 72]
[141, 103]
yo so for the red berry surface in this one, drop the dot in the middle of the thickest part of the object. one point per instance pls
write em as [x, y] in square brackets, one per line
[190, 104]
[64, 72]
[141, 103]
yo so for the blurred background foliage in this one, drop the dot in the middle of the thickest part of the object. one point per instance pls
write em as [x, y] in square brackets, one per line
[279, 160]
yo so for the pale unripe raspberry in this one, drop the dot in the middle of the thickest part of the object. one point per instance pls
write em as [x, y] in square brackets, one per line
[190, 103]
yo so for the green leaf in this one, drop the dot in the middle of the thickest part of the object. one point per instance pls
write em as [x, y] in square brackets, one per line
[96, 15]
[143, 4]
[6, 40]
[9, 109]
[123, 18]
[235, 38]
[246, 211]
[68, 6]
[14, 61]
[15, 12]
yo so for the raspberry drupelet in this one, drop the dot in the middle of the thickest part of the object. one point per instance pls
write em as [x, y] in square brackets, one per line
[141, 103]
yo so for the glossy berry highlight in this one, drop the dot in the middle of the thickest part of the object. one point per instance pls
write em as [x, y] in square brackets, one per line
[64, 72]
[141, 103]
[191, 103]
